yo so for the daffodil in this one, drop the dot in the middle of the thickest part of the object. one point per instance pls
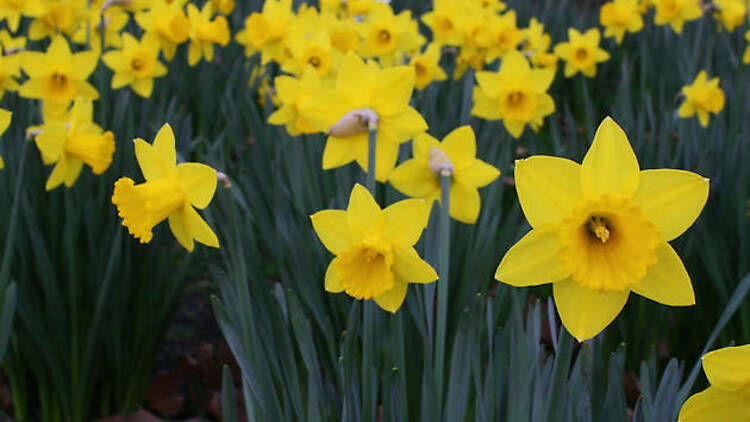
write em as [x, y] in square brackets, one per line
[501, 36]
[427, 67]
[115, 20]
[676, 12]
[10, 72]
[582, 52]
[223, 6]
[171, 191]
[702, 97]
[343, 33]
[58, 16]
[443, 21]
[265, 31]
[731, 13]
[364, 86]
[387, 36]
[58, 76]
[312, 49]
[728, 370]
[11, 44]
[5, 117]
[71, 144]
[293, 93]
[12, 10]
[619, 16]
[167, 21]
[517, 94]
[490, 6]
[374, 249]
[204, 33]
[419, 177]
[535, 45]
[600, 230]
[136, 64]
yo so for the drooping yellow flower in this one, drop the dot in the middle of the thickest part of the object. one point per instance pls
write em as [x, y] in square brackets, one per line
[619, 16]
[427, 67]
[115, 20]
[702, 97]
[136, 64]
[676, 12]
[72, 143]
[728, 370]
[58, 76]
[223, 6]
[10, 71]
[501, 35]
[58, 16]
[171, 191]
[5, 117]
[265, 31]
[204, 33]
[293, 94]
[386, 92]
[167, 21]
[731, 13]
[374, 248]
[419, 177]
[517, 94]
[600, 230]
[582, 52]
[12, 10]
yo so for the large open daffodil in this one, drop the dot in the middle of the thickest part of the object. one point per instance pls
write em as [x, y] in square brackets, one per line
[600, 230]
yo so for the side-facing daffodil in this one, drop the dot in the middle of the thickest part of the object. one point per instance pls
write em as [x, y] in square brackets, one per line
[136, 64]
[600, 231]
[71, 144]
[171, 191]
[115, 20]
[728, 370]
[293, 93]
[620, 16]
[58, 76]
[167, 22]
[419, 177]
[676, 12]
[365, 87]
[223, 6]
[204, 33]
[517, 94]
[5, 117]
[427, 67]
[582, 52]
[731, 13]
[57, 17]
[702, 97]
[374, 248]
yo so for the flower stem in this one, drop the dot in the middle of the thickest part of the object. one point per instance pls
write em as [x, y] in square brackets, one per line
[443, 271]
[371, 150]
[369, 394]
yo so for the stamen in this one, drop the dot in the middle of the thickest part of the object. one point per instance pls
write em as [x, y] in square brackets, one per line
[599, 228]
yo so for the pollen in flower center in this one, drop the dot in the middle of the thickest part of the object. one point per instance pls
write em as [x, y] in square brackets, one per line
[599, 228]
[384, 36]
[59, 81]
[515, 98]
[314, 61]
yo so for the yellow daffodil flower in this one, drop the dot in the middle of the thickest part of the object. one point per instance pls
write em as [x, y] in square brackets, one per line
[702, 97]
[5, 117]
[517, 94]
[619, 16]
[58, 16]
[387, 36]
[501, 36]
[374, 248]
[136, 64]
[114, 21]
[12, 10]
[204, 33]
[581, 53]
[293, 93]
[265, 31]
[731, 13]
[58, 76]
[71, 144]
[343, 33]
[312, 49]
[600, 230]
[728, 370]
[10, 44]
[171, 191]
[535, 45]
[10, 71]
[167, 21]
[427, 67]
[491, 6]
[443, 21]
[223, 6]
[644, 6]
[386, 92]
[676, 12]
[419, 177]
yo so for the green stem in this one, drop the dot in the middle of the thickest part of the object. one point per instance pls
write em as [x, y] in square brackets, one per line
[369, 398]
[444, 271]
[9, 249]
[371, 150]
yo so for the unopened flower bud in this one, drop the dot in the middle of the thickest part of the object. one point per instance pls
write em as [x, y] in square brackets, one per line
[355, 122]
[32, 134]
[439, 163]
[223, 179]
[111, 3]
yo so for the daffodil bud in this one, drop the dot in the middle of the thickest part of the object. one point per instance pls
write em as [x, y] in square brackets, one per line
[223, 179]
[355, 122]
[439, 163]
[111, 3]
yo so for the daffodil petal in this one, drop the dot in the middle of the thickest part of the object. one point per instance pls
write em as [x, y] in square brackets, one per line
[178, 226]
[405, 220]
[363, 213]
[548, 188]
[586, 312]
[610, 166]
[332, 228]
[465, 203]
[392, 299]
[341, 151]
[410, 267]
[667, 281]
[399, 83]
[671, 199]
[333, 283]
[164, 144]
[5, 117]
[199, 229]
[713, 405]
[477, 174]
[533, 260]
[152, 164]
[727, 368]
[414, 178]
[460, 146]
[198, 181]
